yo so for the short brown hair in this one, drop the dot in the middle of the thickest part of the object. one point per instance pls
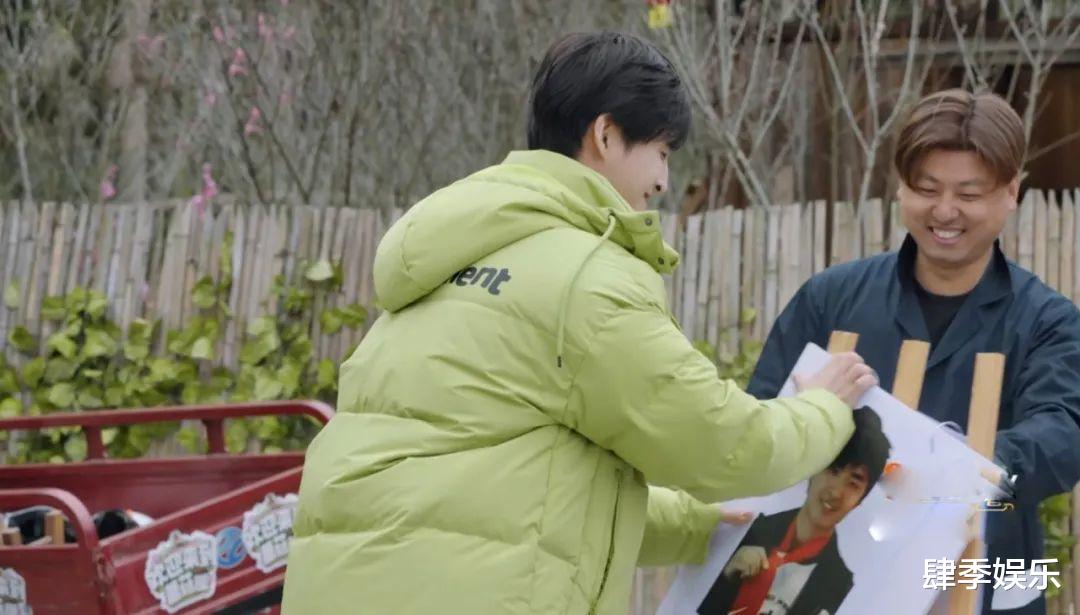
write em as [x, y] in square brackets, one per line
[957, 120]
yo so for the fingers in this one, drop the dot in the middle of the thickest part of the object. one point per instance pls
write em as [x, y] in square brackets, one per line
[735, 518]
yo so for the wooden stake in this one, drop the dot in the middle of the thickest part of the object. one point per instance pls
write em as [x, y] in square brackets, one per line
[910, 369]
[982, 428]
[842, 341]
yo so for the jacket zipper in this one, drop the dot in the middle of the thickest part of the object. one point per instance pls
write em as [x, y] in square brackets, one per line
[611, 540]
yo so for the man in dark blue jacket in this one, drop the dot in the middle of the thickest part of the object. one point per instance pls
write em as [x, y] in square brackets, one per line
[958, 159]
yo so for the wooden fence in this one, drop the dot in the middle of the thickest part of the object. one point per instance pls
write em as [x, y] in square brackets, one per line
[146, 259]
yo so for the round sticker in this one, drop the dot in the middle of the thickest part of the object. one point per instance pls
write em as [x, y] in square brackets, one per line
[230, 547]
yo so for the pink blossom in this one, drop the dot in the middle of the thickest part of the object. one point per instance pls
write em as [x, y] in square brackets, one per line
[289, 33]
[284, 2]
[239, 61]
[108, 185]
[265, 31]
[150, 46]
[199, 203]
[252, 125]
[210, 98]
[210, 187]
[219, 35]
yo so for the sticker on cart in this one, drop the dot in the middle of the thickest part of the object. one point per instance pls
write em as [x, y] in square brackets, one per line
[13, 593]
[267, 530]
[182, 570]
[230, 547]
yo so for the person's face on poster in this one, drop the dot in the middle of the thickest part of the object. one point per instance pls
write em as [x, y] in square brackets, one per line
[832, 494]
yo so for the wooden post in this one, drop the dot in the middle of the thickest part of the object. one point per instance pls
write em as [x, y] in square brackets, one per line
[11, 537]
[982, 428]
[54, 526]
[910, 369]
[842, 341]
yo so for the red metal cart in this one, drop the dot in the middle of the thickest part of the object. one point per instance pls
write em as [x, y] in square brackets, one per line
[198, 503]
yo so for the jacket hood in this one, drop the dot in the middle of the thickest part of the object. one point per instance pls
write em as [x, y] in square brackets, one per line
[528, 193]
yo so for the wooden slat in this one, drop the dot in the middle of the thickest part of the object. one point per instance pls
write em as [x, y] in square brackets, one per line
[1053, 241]
[234, 329]
[669, 228]
[731, 295]
[704, 315]
[747, 300]
[982, 429]
[1075, 249]
[9, 271]
[772, 265]
[78, 249]
[718, 221]
[689, 272]
[806, 241]
[897, 231]
[791, 255]
[873, 228]
[820, 234]
[1009, 237]
[760, 246]
[1067, 247]
[1040, 236]
[845, 238]
[337, 254]
[1025, 232]
[39, 270]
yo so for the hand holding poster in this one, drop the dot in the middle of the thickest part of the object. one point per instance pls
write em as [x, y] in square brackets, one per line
[855, 537]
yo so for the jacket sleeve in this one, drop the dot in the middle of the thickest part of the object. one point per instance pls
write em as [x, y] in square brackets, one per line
[643, 392]
[677, 529]
[1042, 446]
[798, 325]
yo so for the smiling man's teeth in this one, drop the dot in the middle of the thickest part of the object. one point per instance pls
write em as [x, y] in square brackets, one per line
[942, 233]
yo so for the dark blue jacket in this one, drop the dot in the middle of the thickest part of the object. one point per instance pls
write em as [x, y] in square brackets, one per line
[1009, 311]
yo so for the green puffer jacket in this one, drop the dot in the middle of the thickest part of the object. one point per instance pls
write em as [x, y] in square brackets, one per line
[499, 426]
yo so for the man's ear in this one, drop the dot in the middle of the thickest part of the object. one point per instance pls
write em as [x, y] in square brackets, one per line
[1013, 189]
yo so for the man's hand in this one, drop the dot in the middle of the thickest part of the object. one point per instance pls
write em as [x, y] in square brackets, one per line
[846, 375]
[747, 562]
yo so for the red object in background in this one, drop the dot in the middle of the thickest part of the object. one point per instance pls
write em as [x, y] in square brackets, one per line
[198, 492]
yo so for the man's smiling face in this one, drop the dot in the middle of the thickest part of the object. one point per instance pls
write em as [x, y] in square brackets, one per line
[833, 493]
[955, 208]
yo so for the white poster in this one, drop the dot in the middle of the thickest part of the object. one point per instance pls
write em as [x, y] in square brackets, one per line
[853, 539]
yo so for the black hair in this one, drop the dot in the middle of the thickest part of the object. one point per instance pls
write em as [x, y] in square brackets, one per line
[868, 446]
[585, 75]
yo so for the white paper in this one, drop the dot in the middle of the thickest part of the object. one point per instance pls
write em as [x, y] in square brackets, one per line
[884, 542]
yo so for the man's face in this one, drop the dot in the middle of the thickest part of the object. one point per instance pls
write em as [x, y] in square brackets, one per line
[833, 494]
[955, 208]
[638, 172]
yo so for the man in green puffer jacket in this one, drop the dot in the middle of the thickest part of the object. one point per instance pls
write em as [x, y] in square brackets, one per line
[499, 426]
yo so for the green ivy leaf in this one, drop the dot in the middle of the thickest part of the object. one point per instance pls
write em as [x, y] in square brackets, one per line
[327, 374]
[354, 315]
[331, 321]
[98, 344]
[92, 374]
[747, 316]
[136, 351]
[204, 294]
[192, 393]
[10, 407]
[301, 349]
[320, 271]
[8, 383]
[267, 388]
[75, 448]
[220, 379]
[263, 325]
[62, 344]
[162, 370]
[190, 439]
[21, 340]
[59, 370]
[203, 349]
[96, 305]
[114, 397]
[88, 399]
[297, 300]
[33, 371]
[236, 436]
[62, 395]
[288, 375]
[11, 296]
[53, 308]
[259, 348]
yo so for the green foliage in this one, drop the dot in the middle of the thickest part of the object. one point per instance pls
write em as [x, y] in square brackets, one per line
[88, 363]
[1054, 513]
